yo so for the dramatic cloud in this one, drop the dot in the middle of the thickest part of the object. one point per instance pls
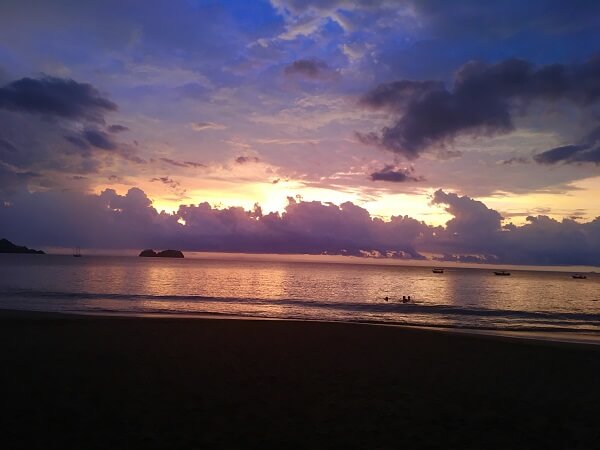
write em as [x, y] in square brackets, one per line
[109, 220]
[474, 234]
[587, 151]
[439, 18]
[474, 226]
[91, 141]
[55, 97]
[390, 173]
[56, 130]
[483, 101]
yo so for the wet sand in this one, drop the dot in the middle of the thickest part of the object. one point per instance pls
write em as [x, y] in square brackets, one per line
[115, 382]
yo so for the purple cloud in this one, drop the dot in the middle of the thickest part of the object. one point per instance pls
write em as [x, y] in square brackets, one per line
[55, 97]
[483, 100]
[475, 233]
[390, 173]
[585, 152]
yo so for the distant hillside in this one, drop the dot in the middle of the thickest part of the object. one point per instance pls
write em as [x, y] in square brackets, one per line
[8, 247]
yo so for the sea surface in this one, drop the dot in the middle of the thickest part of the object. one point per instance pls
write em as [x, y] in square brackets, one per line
[463, 298]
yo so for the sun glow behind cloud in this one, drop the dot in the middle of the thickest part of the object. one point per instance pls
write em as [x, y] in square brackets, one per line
[274, 197]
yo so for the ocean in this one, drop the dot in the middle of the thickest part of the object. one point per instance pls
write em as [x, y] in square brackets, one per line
[461, 298]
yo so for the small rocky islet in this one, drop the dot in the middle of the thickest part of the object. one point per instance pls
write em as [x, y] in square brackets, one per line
[150, 253]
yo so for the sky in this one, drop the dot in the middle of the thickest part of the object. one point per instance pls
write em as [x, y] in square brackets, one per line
[454, 131]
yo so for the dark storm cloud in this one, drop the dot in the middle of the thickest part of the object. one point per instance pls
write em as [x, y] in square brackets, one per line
[474, 234]
[558, 154]
[55, 97]
[588, 151]
[483, 101]
[42, 116]
[308, 68]
[92, 142]
[570, 154]
[390, 173]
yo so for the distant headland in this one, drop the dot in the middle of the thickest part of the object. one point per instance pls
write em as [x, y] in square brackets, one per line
[149, 253]
[8, 247]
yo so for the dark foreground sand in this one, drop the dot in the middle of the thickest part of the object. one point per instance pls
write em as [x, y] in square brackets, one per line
[112, 383]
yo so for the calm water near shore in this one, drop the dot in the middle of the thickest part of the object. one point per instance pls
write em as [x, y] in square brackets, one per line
[472, 298]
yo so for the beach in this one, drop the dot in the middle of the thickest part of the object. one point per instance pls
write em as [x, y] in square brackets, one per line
[72, 381]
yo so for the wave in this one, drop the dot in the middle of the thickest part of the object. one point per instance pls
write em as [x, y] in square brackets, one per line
[410, 309]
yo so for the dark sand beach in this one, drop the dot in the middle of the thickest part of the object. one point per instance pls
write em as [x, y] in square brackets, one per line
[113, 382]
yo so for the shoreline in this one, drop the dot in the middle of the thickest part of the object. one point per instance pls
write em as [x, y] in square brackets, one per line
[585, 337]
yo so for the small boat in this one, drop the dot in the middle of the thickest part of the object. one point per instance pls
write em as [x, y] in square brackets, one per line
[502, 273]
[437, 270]
[77, 253]
[579, 276]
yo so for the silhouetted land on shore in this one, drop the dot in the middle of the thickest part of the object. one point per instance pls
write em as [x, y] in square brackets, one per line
[99, 382]
[8, 247]
[150, 253]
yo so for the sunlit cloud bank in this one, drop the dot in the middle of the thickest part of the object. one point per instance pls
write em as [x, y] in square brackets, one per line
[474, 234]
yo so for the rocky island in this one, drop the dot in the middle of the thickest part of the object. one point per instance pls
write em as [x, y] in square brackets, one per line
[8, 247]
[150, 253]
